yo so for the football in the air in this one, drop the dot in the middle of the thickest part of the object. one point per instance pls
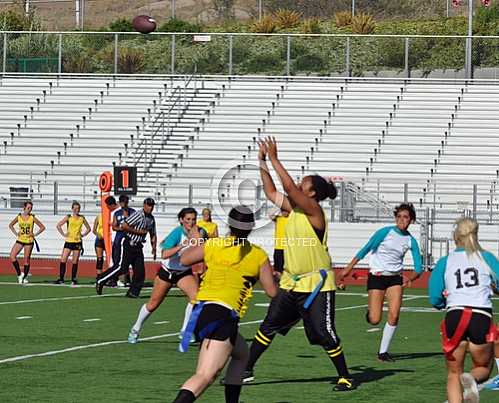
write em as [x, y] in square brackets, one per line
[144, 24]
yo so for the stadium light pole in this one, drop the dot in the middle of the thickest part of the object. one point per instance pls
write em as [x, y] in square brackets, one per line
[469, 41]
[77, 13]
[260, 9]
[173, 7]
[353, 8]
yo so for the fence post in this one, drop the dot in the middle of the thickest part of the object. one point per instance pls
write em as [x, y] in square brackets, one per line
[406, 59]
[56, 197]
[258, 201]
[230, 54]
[59, 56]
[191, 194]
[288, 56]
[474, 201]
[4, 63]
[115, 53]
[347, 57]
[173, 55]
[342, 202]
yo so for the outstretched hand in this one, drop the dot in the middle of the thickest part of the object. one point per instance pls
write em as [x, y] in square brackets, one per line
[262, 150]
[271, 145]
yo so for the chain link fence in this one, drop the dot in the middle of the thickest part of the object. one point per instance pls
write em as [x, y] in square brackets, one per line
[247, 54]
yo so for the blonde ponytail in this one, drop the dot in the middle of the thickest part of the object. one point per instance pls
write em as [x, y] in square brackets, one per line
[466, 235]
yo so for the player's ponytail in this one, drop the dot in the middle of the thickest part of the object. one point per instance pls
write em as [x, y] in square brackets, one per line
[323, 188]
[466, 235]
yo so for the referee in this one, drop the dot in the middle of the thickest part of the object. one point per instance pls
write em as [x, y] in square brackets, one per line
[136, 228]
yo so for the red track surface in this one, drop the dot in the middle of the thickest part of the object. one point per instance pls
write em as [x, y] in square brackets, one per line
[86, 268]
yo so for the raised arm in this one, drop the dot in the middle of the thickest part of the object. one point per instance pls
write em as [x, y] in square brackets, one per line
[276, 197]
[295, 196]
[40, 226]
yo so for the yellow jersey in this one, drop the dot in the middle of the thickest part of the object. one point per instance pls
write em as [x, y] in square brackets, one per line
[26, 228]
[100, 228]
[232, 269]
[305, 255]
[280, 232]
[209, 226]
[74, 228]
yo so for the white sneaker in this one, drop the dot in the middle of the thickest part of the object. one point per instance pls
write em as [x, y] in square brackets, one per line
[120, 284]
[20, 278]
[470, 388]
[133, 337]
[25, 281]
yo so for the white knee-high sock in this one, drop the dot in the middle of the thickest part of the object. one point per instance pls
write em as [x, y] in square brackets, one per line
[143, 315]
[187, 315]
[388, 333]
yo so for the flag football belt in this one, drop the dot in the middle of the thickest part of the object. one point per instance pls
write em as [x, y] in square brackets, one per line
[318, 287]
[183, 346]
[449, 345]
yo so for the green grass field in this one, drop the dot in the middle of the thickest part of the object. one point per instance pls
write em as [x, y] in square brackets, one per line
[78, 367]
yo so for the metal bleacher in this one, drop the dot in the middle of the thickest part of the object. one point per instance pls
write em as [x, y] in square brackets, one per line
[438, 138]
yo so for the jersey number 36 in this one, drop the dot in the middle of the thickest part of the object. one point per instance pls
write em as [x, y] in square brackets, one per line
[471, 279]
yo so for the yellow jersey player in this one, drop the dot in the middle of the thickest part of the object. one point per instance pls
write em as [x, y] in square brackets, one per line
[234, 265]
[73, 241]
[207, 224]
[25, 239]
[307, 286]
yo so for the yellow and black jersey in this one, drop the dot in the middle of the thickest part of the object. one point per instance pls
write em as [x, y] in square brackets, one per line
[232, 270]
[25, 228]
[74, 228]
[280, 232]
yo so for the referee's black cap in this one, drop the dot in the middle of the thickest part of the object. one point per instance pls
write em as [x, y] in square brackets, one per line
[123, 198]
[149, 201]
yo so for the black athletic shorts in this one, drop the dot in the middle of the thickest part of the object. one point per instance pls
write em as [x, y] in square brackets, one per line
[375, 282]
[279, 260]
[173, 276]
[73, 245]
[227, 325]
[286, 309]
[478, 328]
[99, 243]
[25, 243]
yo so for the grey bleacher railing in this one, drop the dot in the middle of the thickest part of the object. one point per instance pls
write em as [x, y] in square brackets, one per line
[249, 53]
[144, 153]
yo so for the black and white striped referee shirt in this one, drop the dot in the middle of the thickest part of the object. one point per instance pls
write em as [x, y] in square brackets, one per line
[140, 220]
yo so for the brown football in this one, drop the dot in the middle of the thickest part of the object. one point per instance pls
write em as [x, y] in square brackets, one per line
[144, 24]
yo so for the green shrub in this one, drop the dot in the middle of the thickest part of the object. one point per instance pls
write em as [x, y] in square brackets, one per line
[343, 18]
[266, 25]
[121, 25]
[176, 25]
[311, 26]
[363, 24]
[286, 19]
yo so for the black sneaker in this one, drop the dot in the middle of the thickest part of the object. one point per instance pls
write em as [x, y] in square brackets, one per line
[131, 295]
[345, 385]
[74, 283]
[58, 281]
[367, 317]
[385, 357]
[248, 376]
[99, 287]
